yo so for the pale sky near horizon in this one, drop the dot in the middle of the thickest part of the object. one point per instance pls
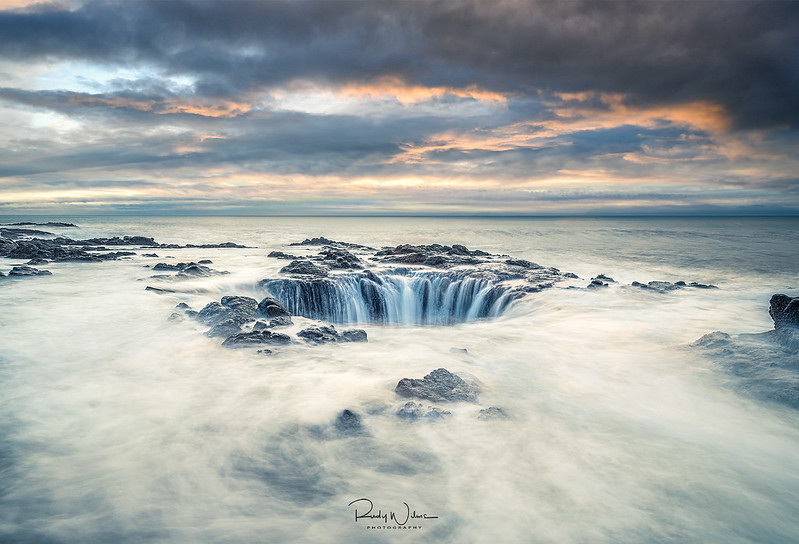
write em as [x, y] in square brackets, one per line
[400, 107]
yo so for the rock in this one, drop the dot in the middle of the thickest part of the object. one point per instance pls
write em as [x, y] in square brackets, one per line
[281, 255]
[414, 411]
[523, 264]
[440, 385]
[19, 233]
[191, 313]
[25, 270]
[244, 307]
[223, 245]
[353, 335]
[784, 311]
[260, 326]
[205, 261]
[433, 255]
[339, 258]
[37, 261]
[603, 277]
[158, 290]
[271, 307]
[48, 224]
[492, 412]
[265, 351]
[2, 275]
[225, 328]
[280, 321]
[182, 306]
[318, 241]
[304, 268]
[149, 255]
[596, 283]
[319, 334]
[188, 269]
[214, 313]
[175, 317]
[349, 423]
[571, 275]
[254, 338]
[713, 340]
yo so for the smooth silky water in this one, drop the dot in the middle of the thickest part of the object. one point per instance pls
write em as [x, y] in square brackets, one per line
[117, 425]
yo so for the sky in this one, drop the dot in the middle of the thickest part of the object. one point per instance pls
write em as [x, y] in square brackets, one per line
[399, 107]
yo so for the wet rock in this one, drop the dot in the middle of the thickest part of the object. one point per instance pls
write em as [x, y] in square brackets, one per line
[254, 338]
[188, 269]
[174, 316]
[223, 245]
[25, 270]
[182, 306]
[521, 263]
[596, 283]
[492, 412]
[304, 268]
[433, 255]
[784, 311]
[414, 411]
[150, 255]
[322, 241]
[348, 423]
[339, 258]
[571, 275]
[353, 335]
[265, 351]
[439, 385]
[281, 255]
[665, 286]
[20, 233]
[205, 261]
[214, 313]
[280, 321]
[47, 224]
[260, 326]
[244, 307]
[158, 290]
[2, 274]
[225, 328]
[604, 278]
[713, 340]
[191, 313]
[37, 261]
[271, 307]
[320, 334]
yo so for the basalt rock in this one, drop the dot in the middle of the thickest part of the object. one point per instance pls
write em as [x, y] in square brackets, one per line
[340, 258]
[665, 286]
[281, 255]
[353, 335]
[225, 328]
[281, 321]
[304, 268]
[319, 335]
[25, 270]
[244, 307]
[492, 412]
[414, 411]
[255, 338]
[21, 233]
[271, 307]
[784, 310]
[438, 386]
[348, 423]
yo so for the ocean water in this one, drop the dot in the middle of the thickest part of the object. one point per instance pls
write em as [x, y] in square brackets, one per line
[119, 425]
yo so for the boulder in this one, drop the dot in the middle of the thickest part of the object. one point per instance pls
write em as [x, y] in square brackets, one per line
[280, 321]
[271, 307]
[438, 386]
[225, 328]
[339, 258]
[260, 326]
[492, 412]
[304, 268]
[353, 335]
[414, 411]
[784, 310]
[281, 255]
[214, 313]
[349, 423]
[244, 307]
[25, 270]
[255, 338]
[320, 334]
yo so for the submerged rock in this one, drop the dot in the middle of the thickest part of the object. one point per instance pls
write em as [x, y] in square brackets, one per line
[348, 423]
[438, 386]
[665, 286]
[414, 411]
[353, 335]
[254, 338]
[492, 412]
[280, 321]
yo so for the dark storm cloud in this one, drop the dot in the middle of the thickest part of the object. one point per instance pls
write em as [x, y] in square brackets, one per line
[739, 54]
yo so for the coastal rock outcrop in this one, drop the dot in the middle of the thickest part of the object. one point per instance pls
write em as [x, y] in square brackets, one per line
[256, 338]
[784, 311]
[440, 385]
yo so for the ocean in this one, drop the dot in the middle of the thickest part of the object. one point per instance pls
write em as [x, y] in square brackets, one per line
[599, 419]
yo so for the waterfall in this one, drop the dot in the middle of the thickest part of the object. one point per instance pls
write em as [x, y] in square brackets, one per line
[419, 298]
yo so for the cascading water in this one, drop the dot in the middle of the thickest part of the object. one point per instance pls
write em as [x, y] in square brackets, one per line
[419, 298]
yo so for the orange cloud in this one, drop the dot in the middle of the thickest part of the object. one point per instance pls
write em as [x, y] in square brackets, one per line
[405, 93]
[219, 108]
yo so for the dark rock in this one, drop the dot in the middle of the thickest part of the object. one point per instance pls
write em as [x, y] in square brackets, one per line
[19, 233]
[223, 245]
[784, 311]
[158, 290]
[183, 306]
[523, 264]
[319, 334]
[353, 335]
[254, 338]
[244, 307]
[260, 326]
[414, 411]
[174, 316]
[191, 313]
[339, 258]
[713, 340]
[150, 255]
[440, 385]
[214, 313]
[349, 423]
[2, 275]
[205, 261]
[265, 351]
[458, 249]
[37, 261]
[665, 286]
[281, 255]
[604, 278]
[271, 307]
[571, 275]
[25, 270]
[492, 412]
[225, 328]
[48, 224]
[280, 321]
[318, 241]
[595, 283]
[188, 269]
[304, 268]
